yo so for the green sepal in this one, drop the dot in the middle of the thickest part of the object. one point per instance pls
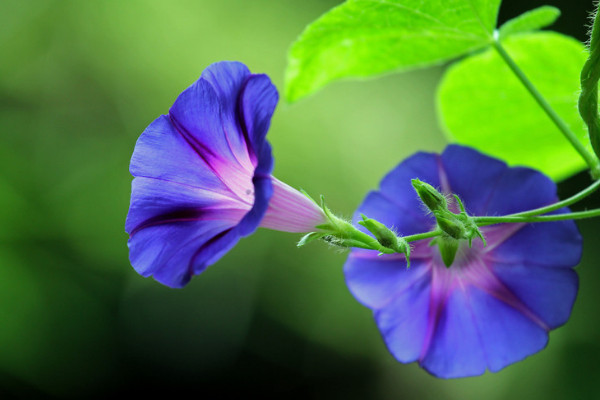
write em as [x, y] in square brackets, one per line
[304, 192]
[324, 227]
[309, 237]
[480, 236]
[460, 204]
[326, 210]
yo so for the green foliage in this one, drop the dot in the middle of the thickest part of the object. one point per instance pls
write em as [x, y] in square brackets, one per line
[362, 38]
[529, 21]
[482, 103]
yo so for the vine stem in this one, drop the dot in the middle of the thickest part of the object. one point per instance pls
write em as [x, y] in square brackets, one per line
[564, 203]
[421, 236]
[591, 160]
[483, 221]
[530, 215]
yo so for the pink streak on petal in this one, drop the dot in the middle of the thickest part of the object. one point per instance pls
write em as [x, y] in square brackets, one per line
[470, 269]
[438, 297]
[481, 275]
[444, 183]
[246, 160]
[498, 234]
[291, 211]
[237, 178]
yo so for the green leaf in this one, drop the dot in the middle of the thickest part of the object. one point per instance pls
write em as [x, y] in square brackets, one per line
[529, 21]
[309, 237]
[482, 104]
[362, 38]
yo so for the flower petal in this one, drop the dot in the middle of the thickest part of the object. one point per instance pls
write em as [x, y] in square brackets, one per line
[492, 188]
[174, 251]
[376, 280]
[506, 334]
[154, 200]
[161, 152]
[199, 116]
[257, 104]
[397, 186]
[550, 299]
[228, 79]
[520, 189]
[551, 244]
[169, 223]
[263, 190]
[168, 251]
[454, 350]
[403, 322]
[471, 175]
[396, 204]
[214, 249]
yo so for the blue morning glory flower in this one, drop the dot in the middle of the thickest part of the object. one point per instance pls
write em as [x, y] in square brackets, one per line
[496, 304]
[203, 177]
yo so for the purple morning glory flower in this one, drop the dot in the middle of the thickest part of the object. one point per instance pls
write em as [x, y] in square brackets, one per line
[203, 177]
[495, 305]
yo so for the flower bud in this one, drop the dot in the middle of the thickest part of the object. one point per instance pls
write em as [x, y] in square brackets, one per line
[382, 233]
[450, 224]
[386, 237]
[448, 247]
[433, 199]
[346, 242]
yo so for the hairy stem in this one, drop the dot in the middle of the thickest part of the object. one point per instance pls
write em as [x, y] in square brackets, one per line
[421, 236]
[564, 203]
[483, 221]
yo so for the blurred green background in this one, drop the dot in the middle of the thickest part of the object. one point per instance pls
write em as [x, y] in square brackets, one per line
[79, 81]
